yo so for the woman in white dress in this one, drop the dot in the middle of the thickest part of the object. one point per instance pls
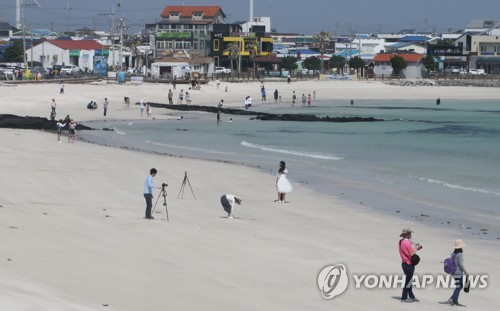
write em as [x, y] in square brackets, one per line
[282, 183]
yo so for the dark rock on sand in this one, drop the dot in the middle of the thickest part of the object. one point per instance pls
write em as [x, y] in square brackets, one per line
[265, 116]
[31, 123]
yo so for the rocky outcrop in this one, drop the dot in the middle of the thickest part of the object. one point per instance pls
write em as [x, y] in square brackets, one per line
[32, 123]
[263, 115]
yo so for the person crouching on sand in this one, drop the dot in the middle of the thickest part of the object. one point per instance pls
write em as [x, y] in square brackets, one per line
[227, 201]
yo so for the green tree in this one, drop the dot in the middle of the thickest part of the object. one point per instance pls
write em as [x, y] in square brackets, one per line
[312, 63]
[14, 53]
[398, 64]
[336, 62]
[233, 49]
[251, 47]
[429, 63]
[289, 63]
[356, 62]
[322, 40]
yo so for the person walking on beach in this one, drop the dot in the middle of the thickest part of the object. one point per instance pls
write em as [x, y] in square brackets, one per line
[288, 79]
[314, 95]
[218, 118]
[105, 105]
[304, 99]
[149, 110]
[282, 183]
[438, 101]
[170, 97]
[406, 251]
[227, 201]
[181, 97]
[276, 96]
[53, 106]
[148, 192]
[309, 100]
[188, 98]
[174, 83]
[263, 92]
[61, 90]
[59, 127]
[141, 104]
[294, 97]
[460, 270]
[71, 131]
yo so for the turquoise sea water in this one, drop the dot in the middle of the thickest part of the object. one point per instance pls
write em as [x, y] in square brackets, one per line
[442, 161]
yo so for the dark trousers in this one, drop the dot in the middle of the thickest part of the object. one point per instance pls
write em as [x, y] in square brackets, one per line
[149, 204]
[407, 290]
[105, 110]
[459, 283]
[170, 101]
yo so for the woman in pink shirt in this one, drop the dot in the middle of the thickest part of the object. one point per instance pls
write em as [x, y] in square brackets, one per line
[406, 251]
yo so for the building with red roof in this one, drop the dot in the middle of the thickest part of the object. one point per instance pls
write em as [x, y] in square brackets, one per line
[382, 64]
[81, 53]
[185, 28]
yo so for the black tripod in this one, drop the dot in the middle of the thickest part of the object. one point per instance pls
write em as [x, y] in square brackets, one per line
[186, 179]
[163, 193]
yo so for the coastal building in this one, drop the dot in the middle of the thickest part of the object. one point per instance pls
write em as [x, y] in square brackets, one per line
[5, 30]
[81, 53]
[253, 44]
[257, 21]
[382, 65]
[184, 28]
[485, 53]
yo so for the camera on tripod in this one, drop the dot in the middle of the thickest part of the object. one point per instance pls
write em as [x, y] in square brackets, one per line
[163, 185]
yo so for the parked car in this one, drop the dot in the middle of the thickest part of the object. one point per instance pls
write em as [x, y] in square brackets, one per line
[71, 70]
[452, 69]
[222, 70]
[476, 72]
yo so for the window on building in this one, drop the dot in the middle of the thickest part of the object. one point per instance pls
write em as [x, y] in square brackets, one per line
[197, 15]
[175, 14]
[216, 44]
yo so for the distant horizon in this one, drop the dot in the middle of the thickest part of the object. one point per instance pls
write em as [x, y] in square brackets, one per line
[287, 16]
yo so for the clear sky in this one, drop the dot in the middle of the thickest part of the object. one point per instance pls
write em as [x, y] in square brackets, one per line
[304, 16]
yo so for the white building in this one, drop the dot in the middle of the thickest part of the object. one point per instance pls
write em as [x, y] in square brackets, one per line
[257, 21]
[69, 52]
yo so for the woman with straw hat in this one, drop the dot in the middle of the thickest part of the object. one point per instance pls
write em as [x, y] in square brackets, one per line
[458, 258]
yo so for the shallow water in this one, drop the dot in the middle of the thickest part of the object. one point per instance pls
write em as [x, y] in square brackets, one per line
[424, 159]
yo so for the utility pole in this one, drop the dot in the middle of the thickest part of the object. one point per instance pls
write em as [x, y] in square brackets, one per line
[67, 16]
[112, 15]
[122, 27]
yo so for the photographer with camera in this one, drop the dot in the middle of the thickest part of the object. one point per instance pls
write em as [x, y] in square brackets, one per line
[409, 261]
[148, 192]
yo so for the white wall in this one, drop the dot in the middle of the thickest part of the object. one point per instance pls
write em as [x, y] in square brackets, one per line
[45, 52]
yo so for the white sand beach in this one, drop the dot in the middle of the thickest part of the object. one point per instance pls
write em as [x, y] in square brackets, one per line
[73, 236]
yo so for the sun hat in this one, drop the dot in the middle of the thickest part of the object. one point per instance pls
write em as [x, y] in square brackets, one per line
[459, 244]
[405, 232]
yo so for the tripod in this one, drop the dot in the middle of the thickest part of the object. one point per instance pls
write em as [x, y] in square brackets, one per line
[163, 193]
[186, 179]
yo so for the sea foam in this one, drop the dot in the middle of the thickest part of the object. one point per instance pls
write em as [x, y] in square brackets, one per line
[292, 152]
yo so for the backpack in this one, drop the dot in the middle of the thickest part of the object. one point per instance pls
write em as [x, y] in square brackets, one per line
[449, 265]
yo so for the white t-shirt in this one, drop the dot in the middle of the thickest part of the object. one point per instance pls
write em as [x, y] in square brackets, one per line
[142, 103]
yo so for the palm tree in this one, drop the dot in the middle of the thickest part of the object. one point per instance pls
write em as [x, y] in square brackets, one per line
[322, 40]
[251, 48]
[233, 49]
